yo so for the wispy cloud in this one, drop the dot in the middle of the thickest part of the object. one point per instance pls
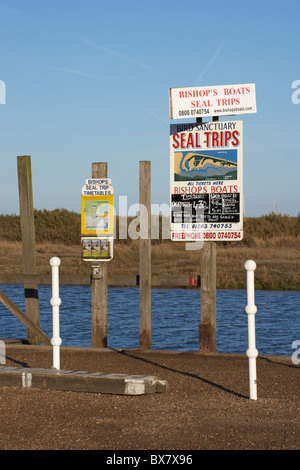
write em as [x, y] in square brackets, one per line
[210, 63]
[9, 10]
[117, 54]
[77, 72]
[155, 116]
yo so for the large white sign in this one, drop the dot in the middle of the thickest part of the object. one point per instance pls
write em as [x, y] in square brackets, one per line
[221, 100]
[206, 181]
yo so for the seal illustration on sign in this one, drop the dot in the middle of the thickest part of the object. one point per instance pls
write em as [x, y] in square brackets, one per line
[209, 166]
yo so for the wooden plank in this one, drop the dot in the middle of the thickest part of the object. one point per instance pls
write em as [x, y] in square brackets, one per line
[145, 254]
[70, 280]
[123, 281]
[45, 279]
[86, 280]
[93, 382]
[25, 319]
[28, 241]
[170, 281]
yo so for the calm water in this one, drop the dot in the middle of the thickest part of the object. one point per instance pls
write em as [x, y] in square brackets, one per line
[175, 318]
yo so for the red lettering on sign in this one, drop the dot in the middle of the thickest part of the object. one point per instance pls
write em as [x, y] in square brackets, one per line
[224, 189]
[201, 104]
[197, 93]
[190, 140]
[221, 139]
[212, 139]
[186, 140]
[235, 141]
[228, 102]
[190, 189]
[175, 141]
[237, 91]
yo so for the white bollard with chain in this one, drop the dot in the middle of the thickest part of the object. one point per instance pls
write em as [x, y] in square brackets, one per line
[55, 302]
[251, 310]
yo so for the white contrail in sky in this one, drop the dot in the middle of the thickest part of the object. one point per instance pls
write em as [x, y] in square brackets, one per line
[212, 60]
[198, 81]
[116, 54]
[9, 10]
[77, 72]
[155, 116]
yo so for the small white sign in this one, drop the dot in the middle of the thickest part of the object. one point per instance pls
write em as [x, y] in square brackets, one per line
[223, 100]
[98, 181]
[97, 189]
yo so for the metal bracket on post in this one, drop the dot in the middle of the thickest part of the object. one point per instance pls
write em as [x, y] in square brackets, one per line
[97, 271]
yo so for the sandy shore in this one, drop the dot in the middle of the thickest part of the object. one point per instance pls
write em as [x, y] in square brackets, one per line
[206, 406]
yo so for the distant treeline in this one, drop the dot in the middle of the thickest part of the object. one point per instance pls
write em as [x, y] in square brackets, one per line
[63, 226]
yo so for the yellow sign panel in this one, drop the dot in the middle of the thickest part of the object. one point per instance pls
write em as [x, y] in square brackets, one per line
[97, 215]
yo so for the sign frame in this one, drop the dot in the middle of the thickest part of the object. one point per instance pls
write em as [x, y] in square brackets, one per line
[107, 218]
[220, 100]
[206, 181]
[97, 220]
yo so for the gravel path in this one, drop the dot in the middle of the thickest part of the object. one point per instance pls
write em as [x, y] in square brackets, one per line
[206, 405]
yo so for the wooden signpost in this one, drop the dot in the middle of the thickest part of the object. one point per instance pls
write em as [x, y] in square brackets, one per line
[206, 205]
[206, 180]
[99, 275]
[96, 227]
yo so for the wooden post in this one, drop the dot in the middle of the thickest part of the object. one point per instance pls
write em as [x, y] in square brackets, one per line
[99, 284]
[28, 242]
[207, 327]
[145, 254]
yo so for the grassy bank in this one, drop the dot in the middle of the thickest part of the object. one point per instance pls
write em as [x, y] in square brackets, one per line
[271, 240]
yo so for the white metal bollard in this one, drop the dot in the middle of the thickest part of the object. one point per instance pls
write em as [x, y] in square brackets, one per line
[251, 310]
[2, 352]
[55, 302]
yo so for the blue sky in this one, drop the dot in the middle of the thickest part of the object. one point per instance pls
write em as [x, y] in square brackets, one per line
[88, 81]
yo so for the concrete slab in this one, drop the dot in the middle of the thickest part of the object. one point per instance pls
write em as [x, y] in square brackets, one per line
[81, 381]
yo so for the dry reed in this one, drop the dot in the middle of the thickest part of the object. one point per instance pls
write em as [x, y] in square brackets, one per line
[271, 240]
